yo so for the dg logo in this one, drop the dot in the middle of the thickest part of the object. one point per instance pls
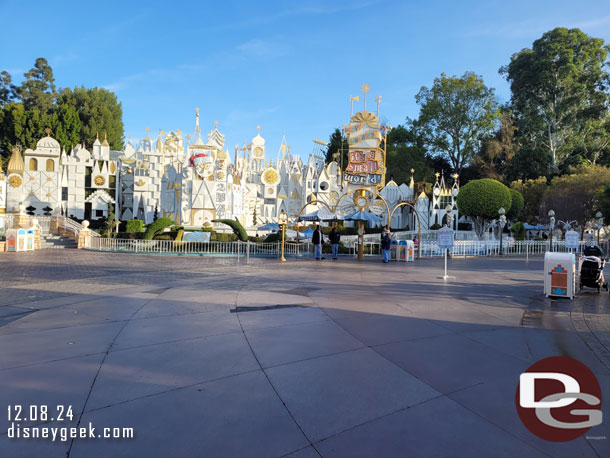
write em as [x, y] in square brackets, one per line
[558, 399]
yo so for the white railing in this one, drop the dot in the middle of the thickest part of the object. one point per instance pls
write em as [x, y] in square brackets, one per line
[273, 249]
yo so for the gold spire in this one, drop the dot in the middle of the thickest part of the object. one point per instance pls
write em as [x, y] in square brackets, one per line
[15, 164]
[105, 142]
[48, 131]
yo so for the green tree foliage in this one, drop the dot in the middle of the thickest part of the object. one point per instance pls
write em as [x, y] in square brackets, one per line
[602, 203]
[559, 88]
[405, 151]
[532, 191]
[338, 148]
[156, 227]
[7, 89]
[74, 116]
[497, 151]
[456, 113]
[99, 112]
[517, 204]
[481, 200]
[573, 196]
[38, 89]
[237, 227]
[66, 126]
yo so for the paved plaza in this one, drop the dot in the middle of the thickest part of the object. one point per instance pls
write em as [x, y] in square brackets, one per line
[213, 357]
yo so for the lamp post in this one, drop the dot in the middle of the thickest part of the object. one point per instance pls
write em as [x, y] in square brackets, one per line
[600, 223]
[551, 214]
[283, 221]
[502, 222]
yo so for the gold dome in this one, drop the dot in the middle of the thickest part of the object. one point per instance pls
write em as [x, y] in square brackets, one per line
[16, 164]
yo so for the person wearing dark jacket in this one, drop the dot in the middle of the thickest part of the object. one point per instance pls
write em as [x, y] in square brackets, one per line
[334, 238]
[386, 241]
[317, 239]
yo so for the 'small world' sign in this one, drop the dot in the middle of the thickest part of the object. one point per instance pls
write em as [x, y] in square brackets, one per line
[363, 179]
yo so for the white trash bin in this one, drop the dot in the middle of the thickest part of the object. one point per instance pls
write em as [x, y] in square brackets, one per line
[559, 274]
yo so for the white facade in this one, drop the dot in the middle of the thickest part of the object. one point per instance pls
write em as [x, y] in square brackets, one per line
[195, 182]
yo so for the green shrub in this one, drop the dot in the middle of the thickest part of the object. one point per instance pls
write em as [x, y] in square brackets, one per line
[517, 204]
[234, 224]
[273, 237]
[130, 235]
[435, 227]
[134, 225]
[207, 229]
[220, 237]
[519, 230]
[156, 227]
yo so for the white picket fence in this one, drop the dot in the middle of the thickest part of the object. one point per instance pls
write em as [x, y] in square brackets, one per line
[273, 249]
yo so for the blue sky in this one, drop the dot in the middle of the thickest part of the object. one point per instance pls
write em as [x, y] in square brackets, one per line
[288, 66]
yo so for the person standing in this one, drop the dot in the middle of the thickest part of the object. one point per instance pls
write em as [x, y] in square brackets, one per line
[334, 238]
[317, 239]
[386, 241]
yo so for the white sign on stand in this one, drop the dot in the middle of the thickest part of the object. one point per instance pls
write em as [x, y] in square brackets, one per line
[571, 239]
[445, 241]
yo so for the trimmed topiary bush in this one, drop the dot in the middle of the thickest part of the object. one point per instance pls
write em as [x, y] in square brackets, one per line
[234, 224]
[517, 204]
[435, 227]
[481, 200]
[134, 225]
[519, 230]
[157, 226]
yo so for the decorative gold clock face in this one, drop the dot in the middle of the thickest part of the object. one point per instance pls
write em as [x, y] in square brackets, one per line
[15, 181]
[361, 202]
[270, 177]
[99, 180]
[258, 153]
[333, 197]
[270, 191]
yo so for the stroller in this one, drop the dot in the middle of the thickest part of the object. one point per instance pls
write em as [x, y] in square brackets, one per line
[591, 268]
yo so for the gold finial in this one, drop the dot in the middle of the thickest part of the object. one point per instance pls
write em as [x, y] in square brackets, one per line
[216, 125]
[258, 129]
[455, 176]
[437, 175]
[97, 135]
[178, 132]
[197, 111]
[161, 132]
[365, 88]
[48, 131]
[147, 132]
[271, 162]
[412, 170]
[188, 138]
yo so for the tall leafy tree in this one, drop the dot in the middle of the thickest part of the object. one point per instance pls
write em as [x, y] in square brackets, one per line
[338, 148]
[497, 151]
[574, 196]
[37, 91]
[456, 113]
[7, 89]
[66, 126]
[99, 112]
[557, 86]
